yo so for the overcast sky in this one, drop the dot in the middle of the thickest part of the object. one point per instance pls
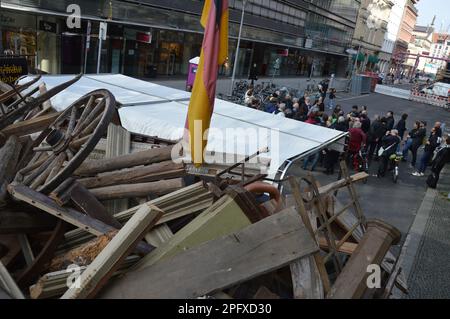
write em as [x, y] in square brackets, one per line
[429, 8]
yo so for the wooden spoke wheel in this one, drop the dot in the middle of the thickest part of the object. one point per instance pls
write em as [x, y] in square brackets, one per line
[19, 108]
[10, 91]
[68, 141]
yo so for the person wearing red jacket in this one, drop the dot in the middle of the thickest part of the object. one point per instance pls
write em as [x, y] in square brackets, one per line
[357, 140]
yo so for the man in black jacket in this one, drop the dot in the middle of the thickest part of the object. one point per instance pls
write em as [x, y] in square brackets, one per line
[390, 121]
[377, 130]
[441, 157]
[433, 142]
[401, 126]
[415, 140]
[389, 143]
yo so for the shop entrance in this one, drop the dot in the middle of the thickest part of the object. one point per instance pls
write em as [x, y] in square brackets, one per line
[71, 53]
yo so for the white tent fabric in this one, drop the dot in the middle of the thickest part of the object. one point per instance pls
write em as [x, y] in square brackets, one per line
[156, 110]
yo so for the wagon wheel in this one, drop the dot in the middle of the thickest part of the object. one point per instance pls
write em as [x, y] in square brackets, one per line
[14, 90]
[20, 107]
[69, 141]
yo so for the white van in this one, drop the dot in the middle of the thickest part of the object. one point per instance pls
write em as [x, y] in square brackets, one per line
[438, 88]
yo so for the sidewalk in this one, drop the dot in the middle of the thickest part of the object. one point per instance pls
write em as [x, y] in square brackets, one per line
[427, 256]
[223, 84]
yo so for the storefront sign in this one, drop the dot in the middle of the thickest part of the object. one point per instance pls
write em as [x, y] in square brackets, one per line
[103, 30]
[88, 35]
[283, 52]
[144, 37]
[47, 26]
[12, 68]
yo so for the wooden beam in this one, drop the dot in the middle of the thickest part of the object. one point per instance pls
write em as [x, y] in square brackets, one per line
[134, 175]
[85, 222]
[107, 262]
[256, 250]
[347, 248]
[9, 284]
[222, 218]
[150, 156]
[137, 190]
[327, 189]
[34, 125]
[34, 270]
[86, 202]
[118, 143]
[9, 156]
[351, 282]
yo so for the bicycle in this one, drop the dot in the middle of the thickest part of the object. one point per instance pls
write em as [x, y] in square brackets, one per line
[395, 160]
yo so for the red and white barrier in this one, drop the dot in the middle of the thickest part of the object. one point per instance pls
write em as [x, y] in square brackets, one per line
[429, 99]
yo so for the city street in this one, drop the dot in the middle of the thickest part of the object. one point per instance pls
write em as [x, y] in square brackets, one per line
[381, 198]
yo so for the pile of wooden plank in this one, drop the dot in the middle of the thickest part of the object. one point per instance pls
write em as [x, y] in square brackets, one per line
[131, 222]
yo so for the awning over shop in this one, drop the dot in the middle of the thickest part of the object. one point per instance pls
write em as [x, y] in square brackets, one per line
[373, 59]
[156, 110]
[361, 57]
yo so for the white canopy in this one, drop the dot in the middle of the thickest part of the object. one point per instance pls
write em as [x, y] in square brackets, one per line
[156, 110]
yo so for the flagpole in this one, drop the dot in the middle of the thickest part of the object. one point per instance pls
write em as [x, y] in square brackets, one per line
[244, 2]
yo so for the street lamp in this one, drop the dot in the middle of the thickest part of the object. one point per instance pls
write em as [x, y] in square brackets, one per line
[244, 2]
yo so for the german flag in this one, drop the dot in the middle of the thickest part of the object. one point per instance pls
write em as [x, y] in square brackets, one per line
[213, 54]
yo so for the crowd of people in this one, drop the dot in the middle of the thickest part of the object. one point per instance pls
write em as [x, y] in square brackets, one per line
[376, 139]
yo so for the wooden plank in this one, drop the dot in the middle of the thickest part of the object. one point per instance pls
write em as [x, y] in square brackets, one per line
[118, 142]
[45, 255]
[54, 284]
[85, 222]
[351, 283]
[306, 281]
[150, 173]
[309, 278]
[27, 251]
[158, 235]
[256, 250]
[327, 189]
[86, 202]
[222, 218]
[34, 125]
[9, 156]
[102, 268]
[146, 157]
[137, 190]
[346, 221]
[36, 199]
[347, 248]
[9, 284]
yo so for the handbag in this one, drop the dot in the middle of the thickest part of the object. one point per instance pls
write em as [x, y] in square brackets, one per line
[382, 150]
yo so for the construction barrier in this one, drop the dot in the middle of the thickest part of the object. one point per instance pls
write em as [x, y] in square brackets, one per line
[431, 99]
[392, 91]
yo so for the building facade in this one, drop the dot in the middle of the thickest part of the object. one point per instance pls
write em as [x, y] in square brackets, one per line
[156, 37]
[390, 37]
[370, 31]
[404, 37]
[440, 48]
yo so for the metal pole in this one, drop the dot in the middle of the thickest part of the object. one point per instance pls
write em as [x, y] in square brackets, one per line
[99, 54]
[236, 58]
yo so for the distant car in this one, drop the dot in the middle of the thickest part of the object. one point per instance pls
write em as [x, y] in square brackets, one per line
[438, 88]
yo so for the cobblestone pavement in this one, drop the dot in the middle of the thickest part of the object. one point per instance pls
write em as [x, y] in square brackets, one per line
[429, 276]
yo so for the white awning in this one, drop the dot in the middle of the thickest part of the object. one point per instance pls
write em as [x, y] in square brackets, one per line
[156, 110]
